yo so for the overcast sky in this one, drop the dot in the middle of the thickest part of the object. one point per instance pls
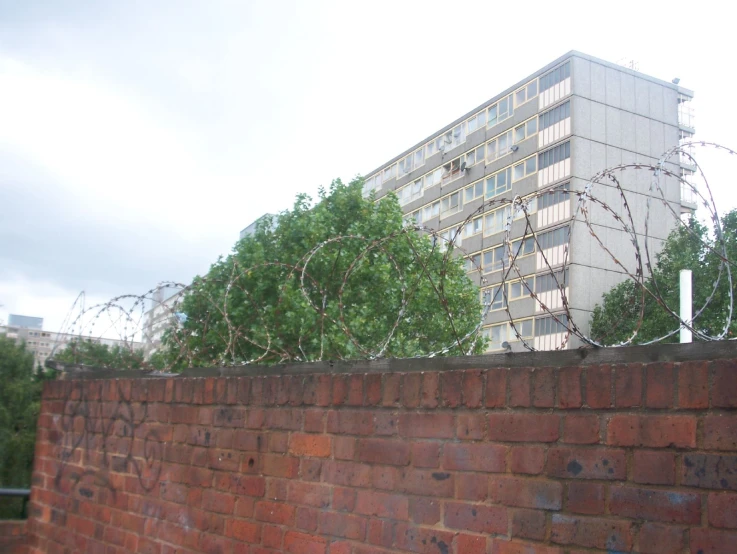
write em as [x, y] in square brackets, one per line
[138, 138]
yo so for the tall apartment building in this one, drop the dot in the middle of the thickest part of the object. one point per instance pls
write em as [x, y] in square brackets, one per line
[541, 139]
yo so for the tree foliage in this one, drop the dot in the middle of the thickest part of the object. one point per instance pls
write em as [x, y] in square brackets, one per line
[20, 397]
[88, 352]
[252, 305]
[688, 247]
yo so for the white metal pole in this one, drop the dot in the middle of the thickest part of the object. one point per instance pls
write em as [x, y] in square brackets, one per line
[686, 304]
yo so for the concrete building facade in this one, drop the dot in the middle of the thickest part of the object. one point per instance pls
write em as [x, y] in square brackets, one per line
[542, 140]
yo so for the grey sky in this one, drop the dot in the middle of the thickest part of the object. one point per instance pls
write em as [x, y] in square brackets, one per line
[138, 138]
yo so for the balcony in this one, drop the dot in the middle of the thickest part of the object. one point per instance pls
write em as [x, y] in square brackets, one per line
[689, 199]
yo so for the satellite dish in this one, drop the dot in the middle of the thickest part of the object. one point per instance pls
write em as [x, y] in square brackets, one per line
[463, 166]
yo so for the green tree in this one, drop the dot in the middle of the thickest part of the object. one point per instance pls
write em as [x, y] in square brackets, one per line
[87, 352]
[687, 247]
[20, 396]
[250, 305]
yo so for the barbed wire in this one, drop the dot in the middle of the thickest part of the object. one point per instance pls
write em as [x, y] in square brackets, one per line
[133, 316]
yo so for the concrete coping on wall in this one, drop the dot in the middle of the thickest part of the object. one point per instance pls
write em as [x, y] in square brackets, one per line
[583, 356]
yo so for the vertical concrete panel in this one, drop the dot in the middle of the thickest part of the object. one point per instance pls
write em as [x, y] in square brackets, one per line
[670, 106]
[627, 92]
[613, 156]
[613, 87]
[613, 126]
[627, 123]
[598, 157]
[581, 157]
[598, 83]
[581, 77]
[657, 142]
[642, 134]
[642, 97]
[655, 92]
[598, 122]
[581, 117]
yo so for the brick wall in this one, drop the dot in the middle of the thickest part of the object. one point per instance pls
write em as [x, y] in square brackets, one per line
[637, 457]
[12, 536]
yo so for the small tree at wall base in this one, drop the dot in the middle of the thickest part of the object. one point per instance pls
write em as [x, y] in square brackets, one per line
[690, 247]
[341, 279]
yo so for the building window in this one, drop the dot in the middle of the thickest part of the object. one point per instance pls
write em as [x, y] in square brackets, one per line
[523, 247]
[496, 335]
[474, 227]
[410, 193]
[551, 281]
[556, 76]
[554, 155]
[475, 156]
[525, 93]
[556, 196]
[473, 263]
[500, 111]
[549, 326]
[388, 173]
[419, 157]
[494, 298]
[496, 259]
[551, 239]
[496, 221]
[431, 210]
[525, 131]
[451, 203]
[499, 183]
[525, 168]
[473, 192]
[522, 329]
[499, 146]
[477, 122]
[451, 171]
[404, 166]
[521, 289]
[557, 114]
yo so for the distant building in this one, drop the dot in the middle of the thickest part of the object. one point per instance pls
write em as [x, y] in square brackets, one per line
[44, 343]
[251, 229]
[25, 321]
[162, 316]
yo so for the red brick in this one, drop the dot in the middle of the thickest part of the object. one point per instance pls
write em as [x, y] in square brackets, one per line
[693, 385]
[585, 498]
[324, 389]
[219, 502]
[526, 493]
[471, 544]
[654, 468]
[528, 524]
[314, 421]
[276, 465]
[309, 494]
[340, 390]
[383, 451]
[723, 510]
[660, 385]
[344, 500]
[426, 454]
[543, 388]
[599, 386]
[652, 431]
[451, 383]
[317, 446]
[343, 525]
[424, 511]
[303, 543]
[355, 390]
[504, 546]
[519, 387]
[411, 389]
[310, 469]
[628, 386]
[392, 389]
[471, 426]
[341, 547]
[478, 518]
[473, 388]
[373, 389]
[274, 512]
[569, 388]
[414, 481]
[346, 473]
[381, 533]
[527, 459]
[422, 541]
[581, 429]
[427, 425]
[472, 486]
[496, 388]
[474, 457]
[720, 432]
[350, 423]
[243, 530]
[724, 384]
[306, 518]
[587, 463]
[655, 538]
[344, 448]
[711, 541]
[392, 506]
[655, 505]
[520, 427]
[606, 534]
[710, 471]
[430, 390]
[272, 536]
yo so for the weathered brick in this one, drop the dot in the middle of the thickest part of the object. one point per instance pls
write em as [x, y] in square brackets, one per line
[720, 432]
[479, 518]
[472, 486]
[724, 384]
[421, 540]
[504, 546]
[519, 388]
[581, 429]
[306, 518]
[314, 421]
[318, 446]
[656, 538]
[245, 531]
[543, 388]
[652, 431]
[526, 493]
[655, 505]
[693, 385]
[344, 499]
[474, 457]
[323, 390]
[521, 427]
[379, 504]
[343, 525]
[309, 494]
[427, 425]
[276, 465]
[471, 544]
[272, 536]
[587, 463]
[219, 502]
[392, 389]
[424, 511]
[383, 451]
[346, 473]
[599, 386]
[528, 524]
[712, 541]
[303, 543]
[723, 510]
[606, 534]
[274, 512]
[451, 383]
[471, 426]
[569, 388]
[430, 390]
[496, 388]
[426, 454]
[344, 448]
[473, 388]
[527, 459]
[373, 389]
[654, 468]
[355, 390]
[350, 423]
[414, 481]
[628, 386]
[411, 389]
[585, 498]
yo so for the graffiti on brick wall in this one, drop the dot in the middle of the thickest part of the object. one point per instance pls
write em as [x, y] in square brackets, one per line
[103, 437]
